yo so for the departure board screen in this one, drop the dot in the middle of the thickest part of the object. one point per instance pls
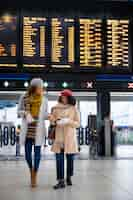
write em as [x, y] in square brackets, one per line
[79, 43]
[90, 42]
[8, 41]
[117, 43]
[63, 42]
[34, 41]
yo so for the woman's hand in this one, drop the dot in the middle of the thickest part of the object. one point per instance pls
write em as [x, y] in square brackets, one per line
[29, 118]
[50, 117]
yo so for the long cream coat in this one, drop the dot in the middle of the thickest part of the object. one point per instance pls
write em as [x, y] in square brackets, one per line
[67, 132]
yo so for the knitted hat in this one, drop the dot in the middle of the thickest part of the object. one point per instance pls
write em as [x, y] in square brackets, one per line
[38, 82]
[66, 93]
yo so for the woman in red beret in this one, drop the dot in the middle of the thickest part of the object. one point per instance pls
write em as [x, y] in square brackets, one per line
[65, 117]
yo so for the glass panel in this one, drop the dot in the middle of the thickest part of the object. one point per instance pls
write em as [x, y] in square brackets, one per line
[122, 113]
[87, 108]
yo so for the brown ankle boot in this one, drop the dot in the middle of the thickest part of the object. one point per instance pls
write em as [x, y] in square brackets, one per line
[30, 175]
[33, 178]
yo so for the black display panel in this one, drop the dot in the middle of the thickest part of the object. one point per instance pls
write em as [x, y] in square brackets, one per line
[74, 42]
[8, 41]
[35, 42]
[90, 42]
[63, 42]
[117, 43]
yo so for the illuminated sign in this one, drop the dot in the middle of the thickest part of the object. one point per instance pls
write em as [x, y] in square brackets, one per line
[89, 85]
[63, 42]
[130, 85]
[34, 41]
[117, 43]
[8, 40]
[90, 42]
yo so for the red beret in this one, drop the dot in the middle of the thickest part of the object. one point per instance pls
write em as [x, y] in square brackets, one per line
[66, 93]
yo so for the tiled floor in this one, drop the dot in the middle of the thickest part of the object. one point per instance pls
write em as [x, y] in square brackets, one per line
[93, 180]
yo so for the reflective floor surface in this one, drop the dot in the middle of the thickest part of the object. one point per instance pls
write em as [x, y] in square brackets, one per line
[93, 180]
[121, 152]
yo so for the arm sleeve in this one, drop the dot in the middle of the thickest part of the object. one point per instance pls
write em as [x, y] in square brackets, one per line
[75, 123]
[21, 108]
[45, 109]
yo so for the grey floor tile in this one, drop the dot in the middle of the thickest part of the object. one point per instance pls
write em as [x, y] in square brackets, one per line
[93, 180]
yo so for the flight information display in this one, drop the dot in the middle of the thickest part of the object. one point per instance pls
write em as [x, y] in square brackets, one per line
[117, 43]
[8, 41]
[90, 42]
[34, 41]
[63, 42]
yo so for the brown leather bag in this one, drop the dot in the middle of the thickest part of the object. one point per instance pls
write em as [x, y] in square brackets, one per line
[51, 132]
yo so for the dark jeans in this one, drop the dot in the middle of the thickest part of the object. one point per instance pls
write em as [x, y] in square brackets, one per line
[60, 165]
[28, 154]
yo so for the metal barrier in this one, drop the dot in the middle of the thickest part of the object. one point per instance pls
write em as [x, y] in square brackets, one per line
[8, 136]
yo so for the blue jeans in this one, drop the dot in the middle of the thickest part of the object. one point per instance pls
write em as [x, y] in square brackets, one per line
[60, 165]
[28, 154]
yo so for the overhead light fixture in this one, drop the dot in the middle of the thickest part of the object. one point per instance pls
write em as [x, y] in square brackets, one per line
[6, 83]
[45, 84]
[26, 84]
[64, 84]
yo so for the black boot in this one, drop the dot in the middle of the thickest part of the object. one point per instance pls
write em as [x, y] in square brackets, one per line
[59, 185]
[69, 181]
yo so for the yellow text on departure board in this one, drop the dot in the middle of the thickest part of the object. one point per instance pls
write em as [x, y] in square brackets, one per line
[117, 42]
[90, 42]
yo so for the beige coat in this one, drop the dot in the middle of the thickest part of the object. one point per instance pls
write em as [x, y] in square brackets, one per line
[66, 134]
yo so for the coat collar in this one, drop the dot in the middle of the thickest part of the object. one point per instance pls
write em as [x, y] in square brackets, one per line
[61, 106]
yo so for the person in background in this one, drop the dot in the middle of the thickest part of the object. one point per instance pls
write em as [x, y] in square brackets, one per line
[65, 117]
[113, 137]
[18, 130]
[33, 106]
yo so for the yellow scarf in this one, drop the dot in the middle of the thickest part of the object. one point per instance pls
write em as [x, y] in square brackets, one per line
[35, 103]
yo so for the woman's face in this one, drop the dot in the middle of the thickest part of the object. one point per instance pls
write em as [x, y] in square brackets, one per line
[64, 100]
[39, 91]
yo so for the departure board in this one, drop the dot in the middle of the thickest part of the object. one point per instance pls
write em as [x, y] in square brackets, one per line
[8, 41]
[34, 41]
[117, 43]
[90, 42]
[63, 42]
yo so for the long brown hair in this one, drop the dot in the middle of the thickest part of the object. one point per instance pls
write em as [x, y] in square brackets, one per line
[31, 90]
[70, 99]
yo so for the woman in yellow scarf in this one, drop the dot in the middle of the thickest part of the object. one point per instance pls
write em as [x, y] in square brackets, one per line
[34, 112]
